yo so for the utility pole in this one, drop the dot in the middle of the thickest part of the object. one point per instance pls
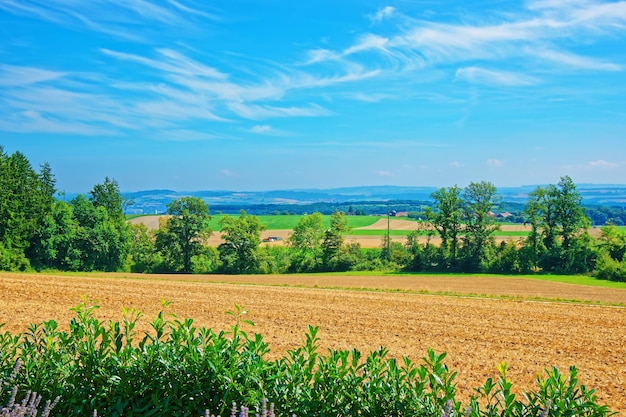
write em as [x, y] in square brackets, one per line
[388, 235]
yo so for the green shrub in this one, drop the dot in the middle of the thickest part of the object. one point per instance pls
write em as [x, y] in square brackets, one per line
[609, 268]
[176, 369]
[29, 406]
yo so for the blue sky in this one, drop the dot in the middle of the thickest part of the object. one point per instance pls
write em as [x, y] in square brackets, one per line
[262, 95]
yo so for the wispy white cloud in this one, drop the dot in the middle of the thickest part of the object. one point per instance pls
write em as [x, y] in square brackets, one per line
[11, 75]
[268, 130]
[168, 87]
[33, 122]
[369, 98]
[65, 105]
[491, 77]
[193, 11]
[366, 43]
[173, 63]
[185, 135]
[172, 110]
[256, 111]
[112, 17]
[601, 163]
[261, 129]
[540, 37]
[574, 61]
[456, 164]
[320, 55]
[494, 163]
[228, 173]
[383, 173]
[382, 13]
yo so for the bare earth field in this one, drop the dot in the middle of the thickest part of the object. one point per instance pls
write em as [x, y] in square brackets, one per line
[522, 322]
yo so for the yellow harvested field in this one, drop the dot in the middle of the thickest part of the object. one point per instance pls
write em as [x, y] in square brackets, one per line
[524, 322]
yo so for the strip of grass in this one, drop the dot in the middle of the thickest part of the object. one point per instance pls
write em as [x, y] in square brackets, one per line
[289, 222]
[566, 279]
[133, 216]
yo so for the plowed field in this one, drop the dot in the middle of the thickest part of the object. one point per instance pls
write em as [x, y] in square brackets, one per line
[526, 323]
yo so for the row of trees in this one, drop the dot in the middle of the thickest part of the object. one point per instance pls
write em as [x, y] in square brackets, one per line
[90, 233]
[178, 245]
[558, 241]
[460, 218]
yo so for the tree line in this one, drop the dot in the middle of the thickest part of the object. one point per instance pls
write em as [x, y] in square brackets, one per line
[89, 232]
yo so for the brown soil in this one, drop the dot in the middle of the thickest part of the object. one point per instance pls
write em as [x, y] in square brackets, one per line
[528, 327]
[151, 222]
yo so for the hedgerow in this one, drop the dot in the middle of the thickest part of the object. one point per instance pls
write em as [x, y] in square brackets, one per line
[106, 368]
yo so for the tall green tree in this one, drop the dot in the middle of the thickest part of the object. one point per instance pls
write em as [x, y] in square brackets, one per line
[184, 233]
[56, 244]
[143, 255]
[108, 195]
[570, 213]
[240, 252]
[25, 198]
[104, 241]
[559, 228]
[333, 243]
[306, 243]
[447, 219]
[479, 199]
[539, 213]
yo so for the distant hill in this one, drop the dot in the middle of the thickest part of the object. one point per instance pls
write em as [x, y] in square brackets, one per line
[299, 200]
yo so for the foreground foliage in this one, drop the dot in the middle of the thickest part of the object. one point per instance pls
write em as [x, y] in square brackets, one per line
[176, 369]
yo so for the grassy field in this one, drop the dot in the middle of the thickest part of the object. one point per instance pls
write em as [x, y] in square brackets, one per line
[368, 231]
[532, 323]
[288, 222]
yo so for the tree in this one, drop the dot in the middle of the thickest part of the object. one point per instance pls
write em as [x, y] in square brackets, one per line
[535, 211]
[447, 219]
[183, 233]
[559, 226]
[479, 199]
[56, 244]
[332, 244]
[142, 249]
[103, 236]
[570, 213]
[306, 242]
[613, 241]
[240, 251]
[108, 195]
[25, 198]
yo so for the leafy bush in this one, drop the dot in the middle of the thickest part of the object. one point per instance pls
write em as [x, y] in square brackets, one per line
[28, 407]
[609, 268]
[176, 369]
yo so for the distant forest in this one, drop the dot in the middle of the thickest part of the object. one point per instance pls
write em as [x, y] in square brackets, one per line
[603, 204]
[598, 215]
